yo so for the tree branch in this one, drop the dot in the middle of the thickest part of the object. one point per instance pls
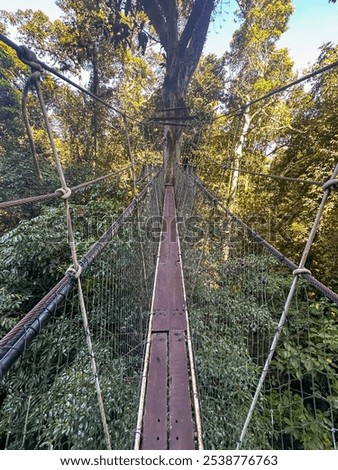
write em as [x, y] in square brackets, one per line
[155, 15]
[196, 13]
[201, 29]
[170, 11]
[198, 36]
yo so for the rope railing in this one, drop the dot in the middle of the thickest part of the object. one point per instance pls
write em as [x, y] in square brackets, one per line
[299, 271]
[264, 175]
[22, 335]
[29, 58]
[324, 290]
[237, 287]
[57, 193]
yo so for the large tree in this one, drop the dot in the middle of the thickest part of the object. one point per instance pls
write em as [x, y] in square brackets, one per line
[256, 67]
[95, 34]
[310, 153]
[181, 26]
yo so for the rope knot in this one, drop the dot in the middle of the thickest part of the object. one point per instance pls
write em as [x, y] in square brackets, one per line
[299, 271]
[64, 193]
[330, 184]
[28, 57]
[75, 272]
[34, 78]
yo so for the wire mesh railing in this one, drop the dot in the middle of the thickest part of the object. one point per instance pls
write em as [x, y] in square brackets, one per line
[236, 291]
[48, 396]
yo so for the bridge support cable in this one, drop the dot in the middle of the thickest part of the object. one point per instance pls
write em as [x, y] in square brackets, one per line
[240, 294]
[299, 271]
[21, 336]
[165, 419]
[324, 290]
[278, 90]
[113, 287]
[29, 58]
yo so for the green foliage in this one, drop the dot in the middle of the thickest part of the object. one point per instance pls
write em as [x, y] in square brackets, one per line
[308, 357]
[50, 395]
[48, 399]
[31, 257]
[253, 51]
[11, 126]
[232, 317]
[309, 153]
[254, 66]
[36, 253]
[207, 86]
[236, 299]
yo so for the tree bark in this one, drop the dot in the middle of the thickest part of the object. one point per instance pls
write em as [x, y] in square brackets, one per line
[238, 156]
[182, 55]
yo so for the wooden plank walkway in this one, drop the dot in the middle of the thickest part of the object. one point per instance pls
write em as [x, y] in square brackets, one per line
[168, 418]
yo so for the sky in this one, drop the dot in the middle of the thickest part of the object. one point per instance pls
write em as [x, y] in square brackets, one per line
[313, 23]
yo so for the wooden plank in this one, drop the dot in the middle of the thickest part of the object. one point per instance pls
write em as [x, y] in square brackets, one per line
[169, 307]
[163, 427]
[169, 209]
[155, 426]
[181, 433]
[169, 245]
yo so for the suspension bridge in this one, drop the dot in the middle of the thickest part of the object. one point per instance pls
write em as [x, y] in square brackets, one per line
[179, 327]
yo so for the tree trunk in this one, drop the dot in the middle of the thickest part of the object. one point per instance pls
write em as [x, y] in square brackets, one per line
[173, 102]
[95, 88]
[233, 185]
[183, 52]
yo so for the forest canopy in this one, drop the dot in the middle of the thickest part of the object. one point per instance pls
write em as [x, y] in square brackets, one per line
[158, 100]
